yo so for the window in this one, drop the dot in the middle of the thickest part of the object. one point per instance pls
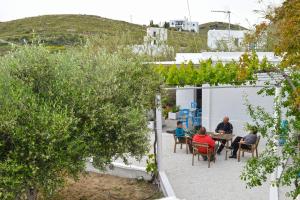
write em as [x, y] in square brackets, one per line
[154, 33]
[179, 23]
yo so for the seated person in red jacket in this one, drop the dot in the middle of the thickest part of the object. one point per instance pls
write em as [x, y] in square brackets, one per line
[202, 137]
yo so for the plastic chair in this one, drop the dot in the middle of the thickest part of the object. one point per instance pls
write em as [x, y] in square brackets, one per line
[184, 116]
[194, 105]
[196, 118]
[196, 121]
[193, 109]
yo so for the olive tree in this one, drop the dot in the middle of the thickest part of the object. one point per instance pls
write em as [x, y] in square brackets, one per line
[57, 109]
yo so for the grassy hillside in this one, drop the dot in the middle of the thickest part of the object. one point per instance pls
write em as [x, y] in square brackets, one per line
[70, 30]
[218, 26]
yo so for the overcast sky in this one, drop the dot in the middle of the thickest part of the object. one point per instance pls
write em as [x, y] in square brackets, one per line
[138, 11]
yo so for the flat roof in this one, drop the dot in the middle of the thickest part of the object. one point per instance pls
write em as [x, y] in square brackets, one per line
[217, 56]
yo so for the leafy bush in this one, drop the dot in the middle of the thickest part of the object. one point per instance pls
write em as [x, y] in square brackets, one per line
[59, 108]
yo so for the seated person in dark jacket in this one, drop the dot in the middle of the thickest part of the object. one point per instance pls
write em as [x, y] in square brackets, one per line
[246, 142]
[224, 127]
[179, 132]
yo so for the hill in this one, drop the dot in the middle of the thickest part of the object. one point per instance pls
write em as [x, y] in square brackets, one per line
[219, 26]
[70, 30]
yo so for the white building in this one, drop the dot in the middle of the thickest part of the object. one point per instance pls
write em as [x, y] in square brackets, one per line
[225, 39]
[156, 36]
[155, 43]
[219, 102]
[185, 25]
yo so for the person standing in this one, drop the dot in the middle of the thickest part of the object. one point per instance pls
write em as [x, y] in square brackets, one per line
[224, 127]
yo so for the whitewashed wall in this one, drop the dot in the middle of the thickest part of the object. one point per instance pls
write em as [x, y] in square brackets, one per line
[185, 97]
[217, 103]
[215, 36]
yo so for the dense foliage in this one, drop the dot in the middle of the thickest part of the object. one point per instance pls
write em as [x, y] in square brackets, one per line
[57, 109]
[206, 72]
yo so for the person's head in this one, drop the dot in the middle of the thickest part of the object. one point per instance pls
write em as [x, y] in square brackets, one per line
[226, 120]
[179, 124]
[202, 131]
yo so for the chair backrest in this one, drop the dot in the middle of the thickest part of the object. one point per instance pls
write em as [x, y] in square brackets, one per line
[176, 139]
[194, 104]
[198, 112]
[196, 145]
[196, 121]
[184, 112]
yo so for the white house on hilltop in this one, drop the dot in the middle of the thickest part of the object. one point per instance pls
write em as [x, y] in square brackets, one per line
[155, 43]
[156, 36]
[220, 39]
[185, 25]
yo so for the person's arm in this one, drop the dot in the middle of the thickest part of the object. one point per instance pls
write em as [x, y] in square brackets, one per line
[218, 128]
[230, 128]
[246, 139]
[211, 143]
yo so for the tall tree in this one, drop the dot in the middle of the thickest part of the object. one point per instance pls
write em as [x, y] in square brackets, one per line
[57, 109]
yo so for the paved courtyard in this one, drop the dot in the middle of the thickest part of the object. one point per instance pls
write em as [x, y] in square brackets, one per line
[219, 182]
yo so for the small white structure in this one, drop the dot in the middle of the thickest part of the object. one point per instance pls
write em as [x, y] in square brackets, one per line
[156, 36]
[219, 102]
[155, 43]
[225, 39]
[185, 25]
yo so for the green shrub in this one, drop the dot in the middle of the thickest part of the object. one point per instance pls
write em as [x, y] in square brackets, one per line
[57, 109]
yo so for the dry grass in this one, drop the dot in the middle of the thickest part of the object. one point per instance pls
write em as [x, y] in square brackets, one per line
[106, 187]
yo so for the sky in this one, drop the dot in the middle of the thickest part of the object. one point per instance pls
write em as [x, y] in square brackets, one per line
[140, 11]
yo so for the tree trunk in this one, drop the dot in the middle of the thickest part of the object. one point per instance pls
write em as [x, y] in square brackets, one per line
[32, 194]
[296, 183]
[154, 176]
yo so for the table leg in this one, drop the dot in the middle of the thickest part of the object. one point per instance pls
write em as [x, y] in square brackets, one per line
[186, 145]
[227, 146]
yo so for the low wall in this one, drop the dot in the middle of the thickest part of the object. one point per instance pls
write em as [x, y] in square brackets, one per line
[122, 170]
[132, 171]
[165, 185]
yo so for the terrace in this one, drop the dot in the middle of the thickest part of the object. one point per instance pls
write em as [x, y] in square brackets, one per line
[220, 181]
